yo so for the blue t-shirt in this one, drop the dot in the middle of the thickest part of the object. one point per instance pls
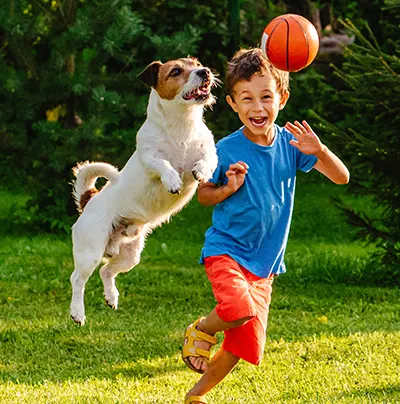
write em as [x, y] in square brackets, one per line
[252, 225]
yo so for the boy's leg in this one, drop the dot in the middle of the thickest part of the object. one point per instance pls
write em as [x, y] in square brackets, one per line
[218, 368]
[211, 325]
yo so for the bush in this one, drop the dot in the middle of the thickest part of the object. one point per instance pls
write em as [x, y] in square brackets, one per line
[70, 91]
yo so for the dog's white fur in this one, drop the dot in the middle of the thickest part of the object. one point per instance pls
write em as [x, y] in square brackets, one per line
[175, 150]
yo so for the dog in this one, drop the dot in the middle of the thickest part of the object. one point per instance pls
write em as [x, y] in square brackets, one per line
[175, 151]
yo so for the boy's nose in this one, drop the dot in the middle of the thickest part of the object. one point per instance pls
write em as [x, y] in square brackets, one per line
[257, 106]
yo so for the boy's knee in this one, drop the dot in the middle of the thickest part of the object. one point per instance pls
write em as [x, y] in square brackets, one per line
[242, 321]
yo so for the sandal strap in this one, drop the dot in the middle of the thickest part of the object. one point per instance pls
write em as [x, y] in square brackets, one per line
[202, 352]
[200, 336]
[194, 399]
[191, 350]
[192, 334]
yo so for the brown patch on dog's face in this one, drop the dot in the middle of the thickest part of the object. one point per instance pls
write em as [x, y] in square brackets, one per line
[173, 75]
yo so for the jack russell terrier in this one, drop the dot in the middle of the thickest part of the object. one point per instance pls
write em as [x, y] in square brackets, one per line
[175, 151]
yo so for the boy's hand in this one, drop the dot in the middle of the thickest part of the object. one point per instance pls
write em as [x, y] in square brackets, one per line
[306, 140]
[236, 175]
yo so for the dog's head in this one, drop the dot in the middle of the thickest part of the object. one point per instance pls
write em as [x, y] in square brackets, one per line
[185, 80]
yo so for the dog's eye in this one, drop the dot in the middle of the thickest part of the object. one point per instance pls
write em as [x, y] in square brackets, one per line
[175, 72]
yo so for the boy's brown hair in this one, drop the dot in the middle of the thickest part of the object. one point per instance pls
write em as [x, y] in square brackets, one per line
[247, 62]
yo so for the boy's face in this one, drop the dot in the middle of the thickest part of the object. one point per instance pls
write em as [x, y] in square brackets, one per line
[257, 102]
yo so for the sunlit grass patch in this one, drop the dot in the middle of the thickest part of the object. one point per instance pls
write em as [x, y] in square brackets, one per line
[330, 339]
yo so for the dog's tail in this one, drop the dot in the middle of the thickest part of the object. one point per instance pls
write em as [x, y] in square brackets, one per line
[83, 188]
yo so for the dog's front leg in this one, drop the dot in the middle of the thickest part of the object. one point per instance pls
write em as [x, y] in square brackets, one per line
[206, 161]
[162, 168]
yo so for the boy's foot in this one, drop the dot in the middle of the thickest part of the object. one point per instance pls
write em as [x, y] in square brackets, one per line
[196, 347]
[195, 399]
[199, 362]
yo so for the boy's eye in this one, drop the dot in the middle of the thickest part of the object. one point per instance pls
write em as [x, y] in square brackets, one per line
[267, 96]
[175, 72]
[246, 99]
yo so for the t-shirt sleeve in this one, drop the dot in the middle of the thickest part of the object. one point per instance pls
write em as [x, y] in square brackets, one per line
[305, 162]
[219, 173]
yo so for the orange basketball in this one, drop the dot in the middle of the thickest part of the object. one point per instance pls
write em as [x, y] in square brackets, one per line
[290, 42]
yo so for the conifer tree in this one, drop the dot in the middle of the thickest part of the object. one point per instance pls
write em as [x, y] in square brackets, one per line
[368, 137]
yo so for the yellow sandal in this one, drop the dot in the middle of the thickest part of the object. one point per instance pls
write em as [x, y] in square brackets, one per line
[195, 399]
[193, 334]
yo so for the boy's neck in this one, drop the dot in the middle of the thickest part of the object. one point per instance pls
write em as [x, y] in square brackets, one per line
[264, 139]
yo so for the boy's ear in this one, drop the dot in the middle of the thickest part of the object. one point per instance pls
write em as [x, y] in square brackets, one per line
[283, 100]
[150, 74]
[231, 102]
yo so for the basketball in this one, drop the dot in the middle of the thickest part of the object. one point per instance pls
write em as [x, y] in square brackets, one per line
[290, 42]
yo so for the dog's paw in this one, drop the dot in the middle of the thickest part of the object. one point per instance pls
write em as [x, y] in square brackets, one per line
[201, 171]
[172, 182]
[132, 231]
[111, 294]
[78, 321]
[78, 316]
[111, 302]
[112, 248]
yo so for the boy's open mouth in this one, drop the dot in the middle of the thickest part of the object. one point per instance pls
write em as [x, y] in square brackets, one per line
[258, 121]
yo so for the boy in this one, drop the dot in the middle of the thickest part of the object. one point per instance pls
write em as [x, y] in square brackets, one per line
[253, 190]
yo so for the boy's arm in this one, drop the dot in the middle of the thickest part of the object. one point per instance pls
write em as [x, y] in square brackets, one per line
[308, 142]
[209, 194]
[331, 166]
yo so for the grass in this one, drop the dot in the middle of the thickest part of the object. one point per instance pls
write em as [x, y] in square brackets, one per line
[328, 341]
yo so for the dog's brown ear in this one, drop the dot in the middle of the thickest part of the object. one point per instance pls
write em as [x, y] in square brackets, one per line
[150, 74]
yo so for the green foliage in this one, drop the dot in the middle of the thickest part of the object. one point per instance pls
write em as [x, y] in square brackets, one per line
[69, 86]
[70, 92]
[309, 91]
[368, 138]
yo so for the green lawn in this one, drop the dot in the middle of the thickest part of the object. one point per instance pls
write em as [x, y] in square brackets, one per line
[328, 341]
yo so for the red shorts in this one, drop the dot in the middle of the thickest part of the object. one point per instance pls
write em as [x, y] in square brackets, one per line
[239, 294]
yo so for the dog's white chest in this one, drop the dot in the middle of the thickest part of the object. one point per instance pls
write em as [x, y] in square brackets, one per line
[182, 157]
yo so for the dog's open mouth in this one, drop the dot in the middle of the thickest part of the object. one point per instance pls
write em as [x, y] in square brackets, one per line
[199, 93]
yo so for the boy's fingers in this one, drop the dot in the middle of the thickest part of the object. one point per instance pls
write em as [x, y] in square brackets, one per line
[307, 126]
[295, 143]
[243, 164]
[299, 126]
[294, 130]
[231, 173]
[238, 167]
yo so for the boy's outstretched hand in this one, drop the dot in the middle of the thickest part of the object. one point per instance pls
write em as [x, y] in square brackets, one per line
[210, 194]
[306, 140]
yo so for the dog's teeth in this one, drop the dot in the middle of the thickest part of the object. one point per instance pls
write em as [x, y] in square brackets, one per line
[198, 93]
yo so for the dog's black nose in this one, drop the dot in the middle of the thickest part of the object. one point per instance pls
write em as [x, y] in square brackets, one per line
[203, 73]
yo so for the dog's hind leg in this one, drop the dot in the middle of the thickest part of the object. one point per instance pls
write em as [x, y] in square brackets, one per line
[85, 264]
[128, 257]
[122, 233]
[88, 250]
